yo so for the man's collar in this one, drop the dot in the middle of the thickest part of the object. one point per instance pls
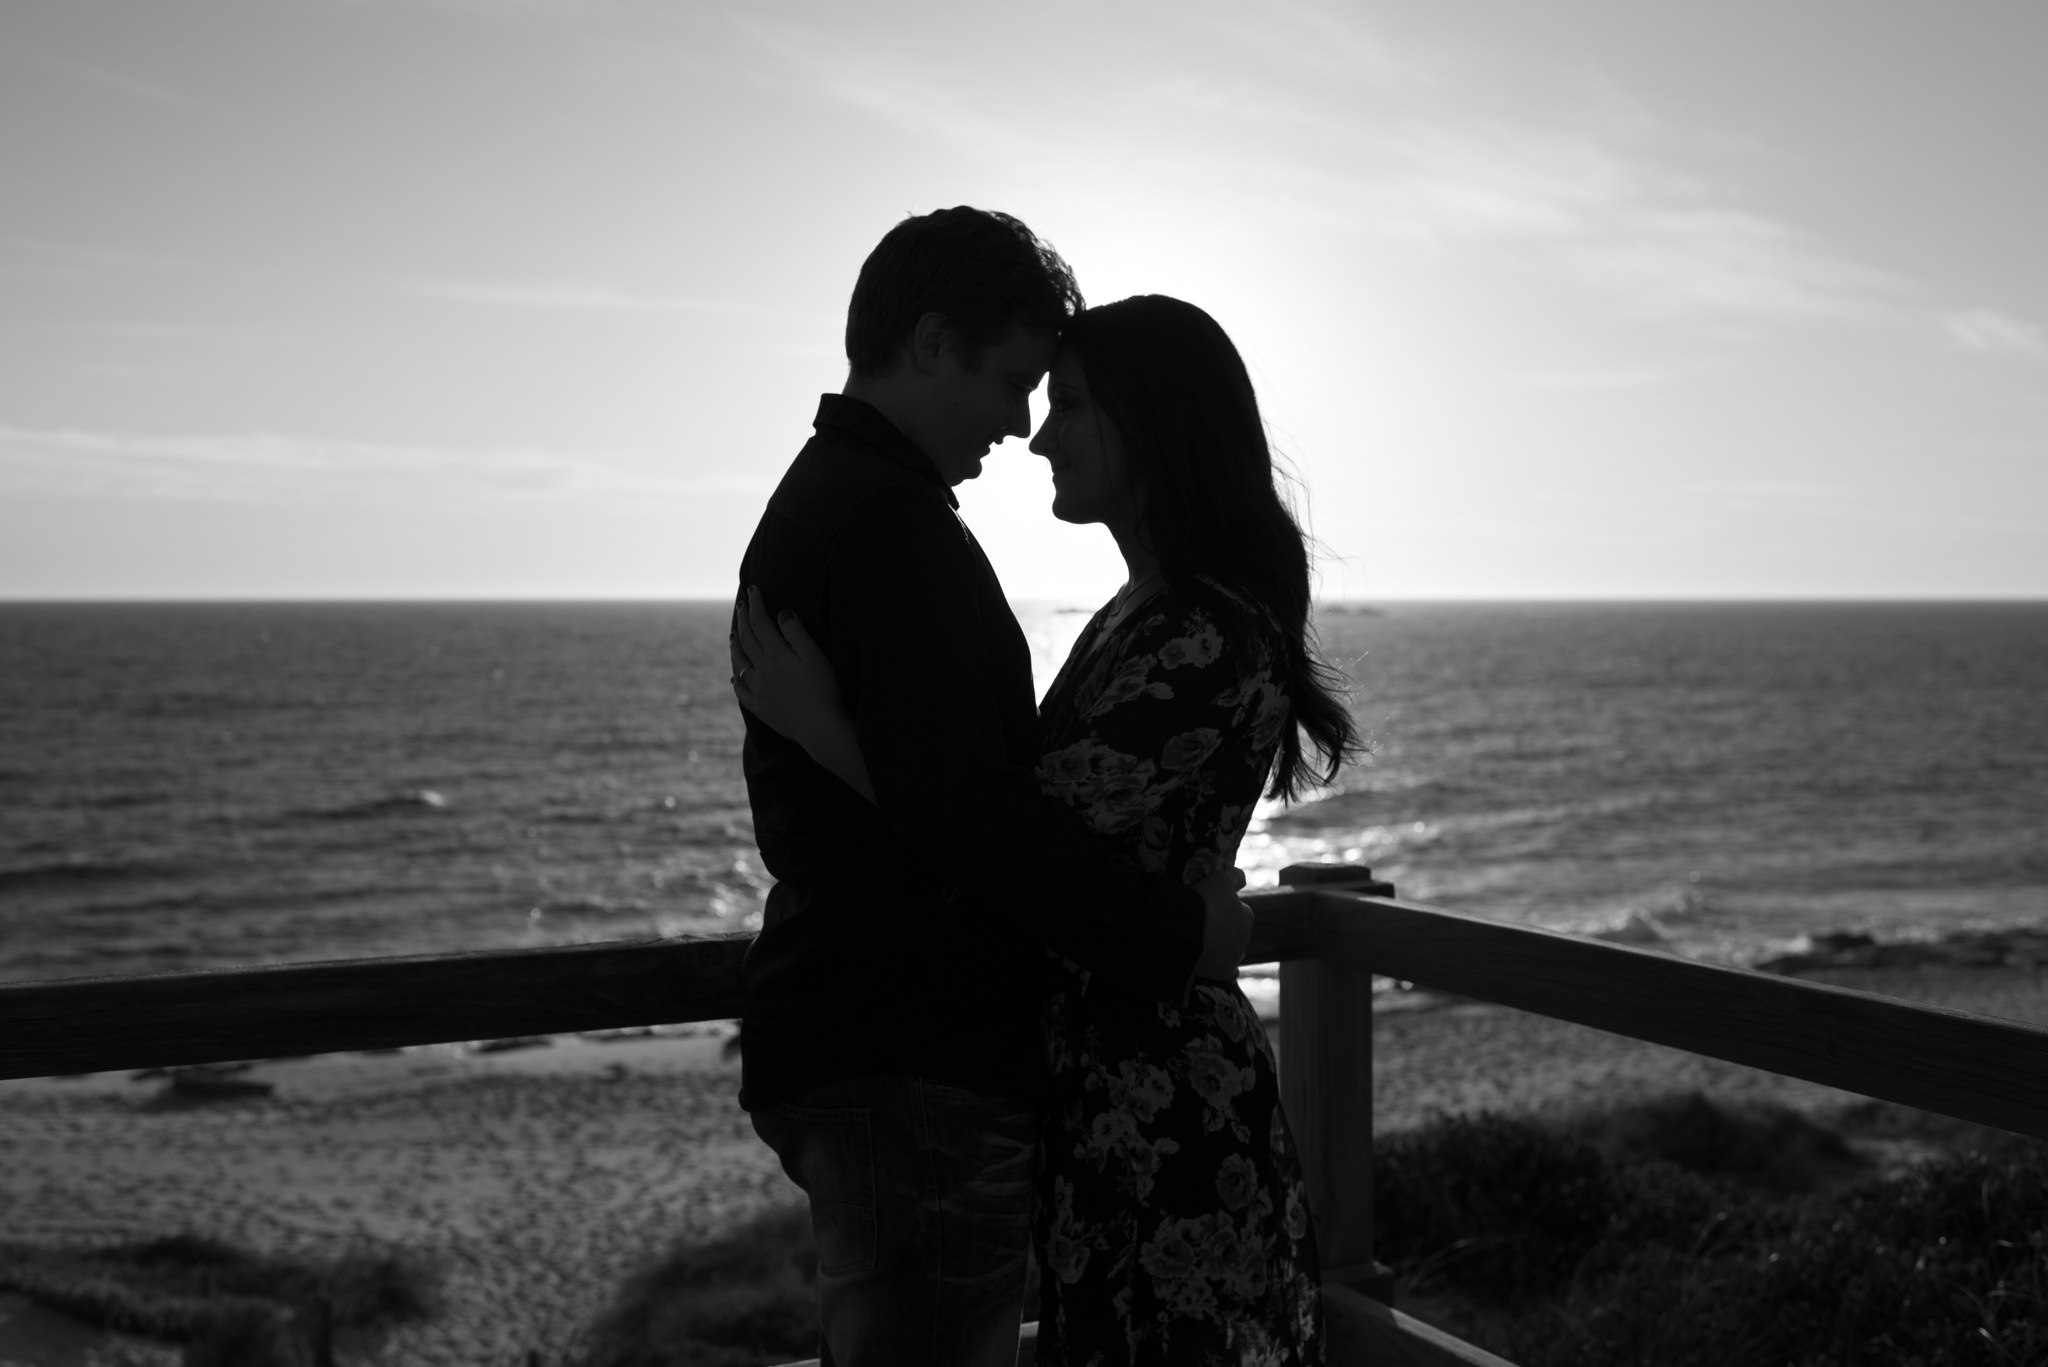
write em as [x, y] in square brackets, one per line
[864, 420]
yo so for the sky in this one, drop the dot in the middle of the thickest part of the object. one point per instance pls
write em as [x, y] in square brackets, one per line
[535, 298]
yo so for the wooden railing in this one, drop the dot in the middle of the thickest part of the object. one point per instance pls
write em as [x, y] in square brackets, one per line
[1330, 928]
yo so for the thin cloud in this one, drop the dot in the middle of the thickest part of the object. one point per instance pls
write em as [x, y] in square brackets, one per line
[1601, 379]
[29, 256]
[1327, 43]
[268, 467]
[1656, 241]
[886, 86]
[1772, 490]
[1996, 334]
[487, 9]
[573, 298]
[1713, 262]
[144, 331]
[147, 91]
[1343, 129]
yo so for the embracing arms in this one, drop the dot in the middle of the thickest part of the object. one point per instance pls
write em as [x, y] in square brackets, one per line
[786, 680]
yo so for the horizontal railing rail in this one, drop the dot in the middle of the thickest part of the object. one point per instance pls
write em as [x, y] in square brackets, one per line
[1972, 1067]
[1979, 1068]
[89, 1025]
[86, 1025]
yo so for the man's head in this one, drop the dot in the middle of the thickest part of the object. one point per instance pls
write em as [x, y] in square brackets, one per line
[951, 326]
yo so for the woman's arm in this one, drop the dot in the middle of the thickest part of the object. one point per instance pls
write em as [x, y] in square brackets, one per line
[782, 677]
[1167, 742]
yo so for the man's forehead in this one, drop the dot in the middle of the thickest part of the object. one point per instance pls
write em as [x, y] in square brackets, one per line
[1026, 349]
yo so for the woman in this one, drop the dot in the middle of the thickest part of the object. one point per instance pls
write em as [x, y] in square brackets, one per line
[1171, 1224]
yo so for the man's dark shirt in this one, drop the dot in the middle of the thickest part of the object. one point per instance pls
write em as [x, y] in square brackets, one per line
[907, 938]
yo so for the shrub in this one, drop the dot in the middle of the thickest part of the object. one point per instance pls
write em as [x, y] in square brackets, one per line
[188, 1288]
[1500, 1206]
[741, 1299]
[745, 1298]
[1770, 1147]
[1615, 1263]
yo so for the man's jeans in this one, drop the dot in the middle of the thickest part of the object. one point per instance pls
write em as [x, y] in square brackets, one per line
[921, 1202]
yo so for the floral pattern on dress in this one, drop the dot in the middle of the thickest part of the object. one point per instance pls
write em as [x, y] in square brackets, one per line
[1172, 1222]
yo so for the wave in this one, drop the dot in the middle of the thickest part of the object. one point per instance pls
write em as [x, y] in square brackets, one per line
[115, 802]
[72, 873]
[412, 802]
[1378, 800]
[88, 958]
[591, 904]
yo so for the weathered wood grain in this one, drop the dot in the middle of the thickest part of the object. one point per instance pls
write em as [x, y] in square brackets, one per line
[84, 1025]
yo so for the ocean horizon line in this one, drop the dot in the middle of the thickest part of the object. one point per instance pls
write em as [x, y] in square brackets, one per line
[680, 600]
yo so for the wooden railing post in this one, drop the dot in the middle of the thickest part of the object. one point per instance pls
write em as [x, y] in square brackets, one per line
[1326, 1090]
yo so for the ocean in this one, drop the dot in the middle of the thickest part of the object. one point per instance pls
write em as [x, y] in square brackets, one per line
[200, 785]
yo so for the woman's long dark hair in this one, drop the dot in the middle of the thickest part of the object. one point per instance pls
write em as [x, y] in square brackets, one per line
[1169, 379]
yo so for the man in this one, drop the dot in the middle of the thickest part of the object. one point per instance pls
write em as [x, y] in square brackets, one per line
[891, 1051]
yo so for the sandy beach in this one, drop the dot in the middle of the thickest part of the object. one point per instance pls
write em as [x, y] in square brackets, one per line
[535, 1179]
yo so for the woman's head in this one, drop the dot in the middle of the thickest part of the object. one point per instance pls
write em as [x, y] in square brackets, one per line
[1153, 420]
[1091, 469]
[1154, 430]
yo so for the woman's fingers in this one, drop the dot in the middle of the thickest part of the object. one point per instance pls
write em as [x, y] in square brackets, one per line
[792, 628]
[741, 661]
[743, 633]
[755, 635]
[762, 622]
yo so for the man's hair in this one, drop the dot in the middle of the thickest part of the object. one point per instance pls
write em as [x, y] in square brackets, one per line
[984, 271]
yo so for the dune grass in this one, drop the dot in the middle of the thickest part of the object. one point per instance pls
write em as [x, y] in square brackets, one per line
[1701, 1236]
[746, 1298]
[208, 1294]
[1683, 1233]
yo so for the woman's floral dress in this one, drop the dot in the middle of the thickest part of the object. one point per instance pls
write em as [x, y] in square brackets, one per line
[1171, 1220]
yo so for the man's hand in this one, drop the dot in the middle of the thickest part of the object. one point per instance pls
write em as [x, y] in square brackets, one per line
[1226, 927]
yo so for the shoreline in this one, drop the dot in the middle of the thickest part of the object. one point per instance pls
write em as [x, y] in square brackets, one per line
[535, 1178]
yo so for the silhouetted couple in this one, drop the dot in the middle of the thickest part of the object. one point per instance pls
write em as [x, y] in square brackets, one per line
[993, 1004]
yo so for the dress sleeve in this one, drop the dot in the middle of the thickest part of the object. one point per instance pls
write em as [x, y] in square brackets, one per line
[1154, 718]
